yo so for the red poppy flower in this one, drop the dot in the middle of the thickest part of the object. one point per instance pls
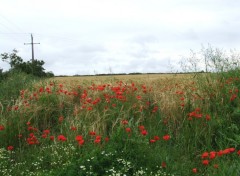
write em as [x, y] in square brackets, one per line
[79, 138]
[139, 97]
[144, 132]
[152, 141]
[62, 138]
[73, 128]
[220, 153]
[106, 139]
[205, 162]
[60, 119]
[205, 155]
[10, 148]
[124, 122]
[238, 152]
[90, 108]
[51, 138]
[212, 155]
[208, 117]
[97, 139]
[141, 127]
[166, 137]
[81, 142]
[156, 138]
[194, 170]
[2, 127]
[233, 97]
[128, 130]
[164, 165]
[44, 136]
[46, 132]
[92, 133]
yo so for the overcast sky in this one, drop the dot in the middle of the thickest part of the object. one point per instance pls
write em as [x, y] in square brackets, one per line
[117, 36]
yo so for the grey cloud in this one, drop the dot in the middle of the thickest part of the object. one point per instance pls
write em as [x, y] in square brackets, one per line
[149, 65]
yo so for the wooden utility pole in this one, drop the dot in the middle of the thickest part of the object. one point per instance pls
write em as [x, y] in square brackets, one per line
[32, 47]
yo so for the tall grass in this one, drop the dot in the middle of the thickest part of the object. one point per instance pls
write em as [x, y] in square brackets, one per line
[115, 127]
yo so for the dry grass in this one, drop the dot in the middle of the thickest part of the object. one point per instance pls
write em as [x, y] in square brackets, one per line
[164, 87]
[142, 77]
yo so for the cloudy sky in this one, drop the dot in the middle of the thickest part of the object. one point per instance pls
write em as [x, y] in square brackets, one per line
[116, 36]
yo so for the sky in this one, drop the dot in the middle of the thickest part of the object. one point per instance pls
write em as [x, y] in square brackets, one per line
[116, 36]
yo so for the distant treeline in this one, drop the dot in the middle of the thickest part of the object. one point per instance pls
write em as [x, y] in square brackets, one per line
[135, 73]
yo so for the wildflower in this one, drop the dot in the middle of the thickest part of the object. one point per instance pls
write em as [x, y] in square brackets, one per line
[2, 127]
[208, 117]
[92, 133]
[78, 138]
[197, 109]
[97, 139]
[46, 132]
[81, 142]
[62, 138]
[212, 155]
[139, 97]
[10, 148]
[51, 138]
[144, 132]
[41, 89]
[128, 130]
[28, 123]
[205, 162]
[155, 109]
[215, 166]
[194, 170]
[164, 165]
[166, 137]
[73, 128]
[238, 152]
[152, 141]
[32, 139]
[106, 139]
[124, 122]
[44, 135]
[220, 153]
[156, 138]
[198, 115]
[205, 155]
[233, 97]
[227, 151]
[60, 119]
[90, 108]
[231, 149]
[141, 127]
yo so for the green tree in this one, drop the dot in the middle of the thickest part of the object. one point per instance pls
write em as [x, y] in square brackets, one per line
[34, 67]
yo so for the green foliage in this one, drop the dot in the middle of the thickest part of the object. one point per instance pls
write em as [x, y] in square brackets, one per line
[11, 86]
[34, 67]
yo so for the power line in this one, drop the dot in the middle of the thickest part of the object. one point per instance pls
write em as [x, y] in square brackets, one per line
[13, 33]
[9, 21]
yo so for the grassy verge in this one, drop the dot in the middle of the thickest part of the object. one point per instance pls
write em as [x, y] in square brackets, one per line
[159, 127]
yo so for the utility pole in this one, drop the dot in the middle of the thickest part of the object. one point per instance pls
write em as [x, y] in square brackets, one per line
[32, 47]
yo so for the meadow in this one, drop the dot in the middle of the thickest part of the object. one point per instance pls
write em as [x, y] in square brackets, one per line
[160, 124]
